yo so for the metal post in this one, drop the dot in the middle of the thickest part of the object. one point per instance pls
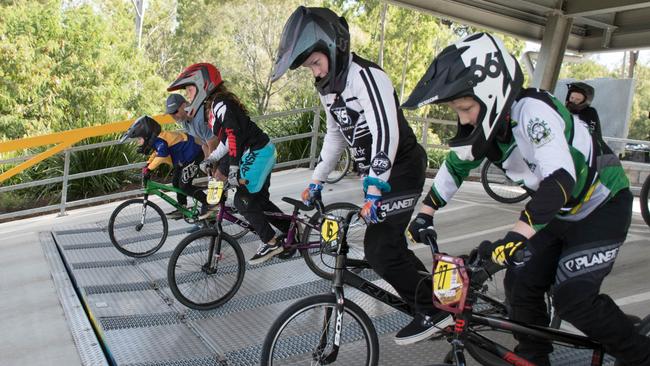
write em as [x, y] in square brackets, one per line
[315, 127]
[556, 35]
[64, 188]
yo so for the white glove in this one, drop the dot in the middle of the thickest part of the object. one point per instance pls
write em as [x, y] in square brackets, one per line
[233, 176]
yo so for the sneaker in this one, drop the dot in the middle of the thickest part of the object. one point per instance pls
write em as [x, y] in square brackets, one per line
[423, 327]
[266, 252]
[175, 215]
[208, 211]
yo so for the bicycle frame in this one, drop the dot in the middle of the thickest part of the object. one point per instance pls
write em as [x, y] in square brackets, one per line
[226, 213]
[463, 331]
[159, 189]
[343, 276]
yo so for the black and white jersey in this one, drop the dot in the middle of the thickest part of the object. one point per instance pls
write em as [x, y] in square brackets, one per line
[367, 118]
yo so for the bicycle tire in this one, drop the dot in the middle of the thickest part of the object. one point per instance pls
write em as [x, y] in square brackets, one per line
[342, 168]
[301, 342]
[127, 235]
[643, 197]
[322, 263]
[499, 186]
[184, 271]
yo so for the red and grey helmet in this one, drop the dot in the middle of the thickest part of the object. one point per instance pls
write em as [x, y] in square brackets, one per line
[478, 66]
[583, 88]
[315, 29]
[204, 76]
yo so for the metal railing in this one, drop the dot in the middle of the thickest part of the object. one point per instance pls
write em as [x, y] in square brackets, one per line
[66, 177]
[311, 160]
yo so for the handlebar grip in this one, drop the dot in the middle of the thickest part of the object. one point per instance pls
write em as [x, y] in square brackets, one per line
[432, 242]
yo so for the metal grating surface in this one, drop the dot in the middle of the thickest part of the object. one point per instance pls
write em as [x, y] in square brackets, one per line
[142, 324]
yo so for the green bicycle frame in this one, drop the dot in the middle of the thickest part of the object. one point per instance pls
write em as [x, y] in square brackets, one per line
[159, 189]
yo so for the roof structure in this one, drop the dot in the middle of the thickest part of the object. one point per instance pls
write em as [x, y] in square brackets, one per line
[595, 25]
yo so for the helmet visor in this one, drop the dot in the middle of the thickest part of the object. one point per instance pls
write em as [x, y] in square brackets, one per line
[288, 52]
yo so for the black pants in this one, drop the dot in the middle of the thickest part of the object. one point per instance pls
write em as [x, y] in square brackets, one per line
[385, 243]
[182, 178]
[252, 207]
[575, 257]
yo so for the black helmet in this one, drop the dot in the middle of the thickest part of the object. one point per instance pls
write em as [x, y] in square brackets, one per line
[315, 29]
[584, 89]
[478, 66]
[145, 127]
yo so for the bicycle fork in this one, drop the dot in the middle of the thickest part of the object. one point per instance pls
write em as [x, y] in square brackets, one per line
[143, 215]
[337, 288]
[214, 255]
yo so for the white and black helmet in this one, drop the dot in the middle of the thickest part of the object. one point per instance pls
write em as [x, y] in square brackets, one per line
[478, 66]
[315, 29]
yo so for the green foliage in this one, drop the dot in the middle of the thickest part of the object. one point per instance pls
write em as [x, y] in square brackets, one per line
[639, 118]
[68, 67]
[436, 157]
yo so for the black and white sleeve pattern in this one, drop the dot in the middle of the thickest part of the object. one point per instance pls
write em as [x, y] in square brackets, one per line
[377, 98]
[333, 145]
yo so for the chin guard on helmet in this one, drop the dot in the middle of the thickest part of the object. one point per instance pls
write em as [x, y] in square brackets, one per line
[310, 30]
[583, 88]
[478, 66]
[146, 128]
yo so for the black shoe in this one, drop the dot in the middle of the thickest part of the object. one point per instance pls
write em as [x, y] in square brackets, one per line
[423, 327]
[266, 252]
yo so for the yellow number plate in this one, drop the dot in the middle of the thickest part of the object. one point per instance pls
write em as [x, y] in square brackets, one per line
[329, 231]
[447, 283]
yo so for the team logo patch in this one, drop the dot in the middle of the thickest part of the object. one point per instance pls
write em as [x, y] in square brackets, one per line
[539, 132]
[589, 260]
[189, 172]
[380, 163]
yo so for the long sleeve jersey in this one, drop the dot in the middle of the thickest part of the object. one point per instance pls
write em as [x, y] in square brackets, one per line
[235, 131]
[569, 172]
[173, 148]
[367, 118]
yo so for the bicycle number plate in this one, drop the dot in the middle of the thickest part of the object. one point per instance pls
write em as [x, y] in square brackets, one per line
[329, 231]
[215, 191]
[447, 283]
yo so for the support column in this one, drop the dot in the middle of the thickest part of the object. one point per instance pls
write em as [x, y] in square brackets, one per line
[549, 61]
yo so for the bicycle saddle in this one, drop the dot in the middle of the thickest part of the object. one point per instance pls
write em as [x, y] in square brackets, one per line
[297, 203]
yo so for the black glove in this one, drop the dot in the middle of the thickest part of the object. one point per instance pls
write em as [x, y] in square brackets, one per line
[146, 173]
[508, 251]
[421, 229]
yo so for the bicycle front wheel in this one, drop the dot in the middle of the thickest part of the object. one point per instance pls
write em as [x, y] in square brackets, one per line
[305, 334]
[136, 229]
[206, 269]
[319, 259]
[499, 186]
[341, 169]
[645, 201]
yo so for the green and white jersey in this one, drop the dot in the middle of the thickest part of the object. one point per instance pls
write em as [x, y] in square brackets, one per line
[545, 139]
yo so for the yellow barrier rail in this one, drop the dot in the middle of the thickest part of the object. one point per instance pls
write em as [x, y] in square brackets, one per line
[63, 140]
